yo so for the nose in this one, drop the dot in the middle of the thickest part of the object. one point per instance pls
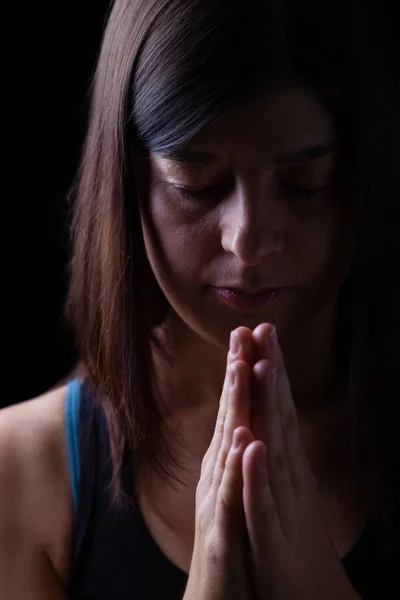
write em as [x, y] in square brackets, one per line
[253, 225]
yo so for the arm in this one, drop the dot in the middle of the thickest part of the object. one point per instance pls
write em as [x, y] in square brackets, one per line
[35, 500]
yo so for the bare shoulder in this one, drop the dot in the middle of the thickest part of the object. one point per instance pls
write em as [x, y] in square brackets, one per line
[36, 498]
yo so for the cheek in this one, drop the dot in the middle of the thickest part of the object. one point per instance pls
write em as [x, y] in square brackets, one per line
[179, 243]
[327, 251]
[313, 241]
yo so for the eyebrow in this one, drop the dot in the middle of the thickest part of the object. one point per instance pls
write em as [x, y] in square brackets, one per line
[308, 153]
[187, 155]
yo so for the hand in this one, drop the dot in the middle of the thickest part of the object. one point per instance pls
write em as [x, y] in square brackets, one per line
[218, 570]
[292, 555]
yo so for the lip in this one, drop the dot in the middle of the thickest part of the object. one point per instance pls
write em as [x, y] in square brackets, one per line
[248, 301]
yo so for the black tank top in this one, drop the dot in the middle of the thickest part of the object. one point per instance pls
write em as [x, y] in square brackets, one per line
[115, 556]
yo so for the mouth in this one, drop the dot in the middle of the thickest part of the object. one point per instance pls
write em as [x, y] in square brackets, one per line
[248, 301]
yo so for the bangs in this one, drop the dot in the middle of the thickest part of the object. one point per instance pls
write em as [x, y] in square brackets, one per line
[202, 58]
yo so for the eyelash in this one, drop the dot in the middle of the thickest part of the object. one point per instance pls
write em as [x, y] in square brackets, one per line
[198, 195]
[306, 194]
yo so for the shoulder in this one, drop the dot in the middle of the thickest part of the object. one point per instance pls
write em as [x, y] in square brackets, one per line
[32, 439]
[36, 497]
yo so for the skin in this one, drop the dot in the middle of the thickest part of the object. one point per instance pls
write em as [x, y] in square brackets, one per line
[289, 551]
[250, 225]
[36, 511]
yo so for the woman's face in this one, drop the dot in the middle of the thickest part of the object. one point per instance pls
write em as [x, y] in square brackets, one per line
[247, 224]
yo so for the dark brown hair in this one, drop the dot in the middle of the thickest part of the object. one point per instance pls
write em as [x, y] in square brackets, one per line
[169, 68]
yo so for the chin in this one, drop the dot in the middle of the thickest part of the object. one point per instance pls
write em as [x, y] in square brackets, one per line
[213, 321]
[217, 331]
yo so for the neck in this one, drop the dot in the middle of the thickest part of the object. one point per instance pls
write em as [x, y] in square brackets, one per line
[191, 390]
[198, 367]
[311, 363]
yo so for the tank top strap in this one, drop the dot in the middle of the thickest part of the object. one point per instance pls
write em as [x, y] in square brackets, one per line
[81, 440]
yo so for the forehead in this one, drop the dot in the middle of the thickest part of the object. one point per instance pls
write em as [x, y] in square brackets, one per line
[280, 119]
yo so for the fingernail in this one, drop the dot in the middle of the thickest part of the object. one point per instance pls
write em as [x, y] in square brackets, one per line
[234, 345]
[237, 441]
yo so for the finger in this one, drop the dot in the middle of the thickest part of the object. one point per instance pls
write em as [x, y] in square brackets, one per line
[238, 414]
[241, 348]
[230, 493]
[260, 509]
[265, 380]
[288, 415]
[207, 465]
[259, 405]
[261, 336]
[241, 345]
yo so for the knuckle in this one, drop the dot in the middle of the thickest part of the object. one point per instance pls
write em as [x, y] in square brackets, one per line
[200, 492]
[221, 458]
[213, 549]
[227, 504]
[202, 516]
[289, 422]
[204, 462]
[220, 425]
[217, 548]
[270, 512]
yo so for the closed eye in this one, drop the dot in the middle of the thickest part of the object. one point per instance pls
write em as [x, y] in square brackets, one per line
[305, 193]
[202, 194]
[210, 194]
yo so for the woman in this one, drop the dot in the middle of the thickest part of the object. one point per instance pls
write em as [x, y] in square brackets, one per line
[237, 190]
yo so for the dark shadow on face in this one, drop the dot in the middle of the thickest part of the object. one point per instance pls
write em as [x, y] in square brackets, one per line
[252, 202]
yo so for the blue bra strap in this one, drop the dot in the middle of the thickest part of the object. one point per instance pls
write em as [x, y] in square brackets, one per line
[72, 406]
